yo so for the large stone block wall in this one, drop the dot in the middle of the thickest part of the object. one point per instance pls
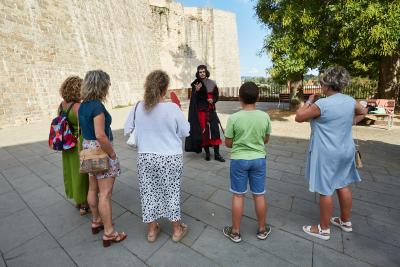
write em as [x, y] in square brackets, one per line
[192, 36]
[44, 41]
[226, 49]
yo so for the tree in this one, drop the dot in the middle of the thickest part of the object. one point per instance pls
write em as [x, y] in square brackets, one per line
[363, 36]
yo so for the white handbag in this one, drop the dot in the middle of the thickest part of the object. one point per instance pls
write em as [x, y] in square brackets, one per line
[132, 140]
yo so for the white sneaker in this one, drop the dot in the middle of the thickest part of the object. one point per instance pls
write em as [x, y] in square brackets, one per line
[345, 226]
[322, 234]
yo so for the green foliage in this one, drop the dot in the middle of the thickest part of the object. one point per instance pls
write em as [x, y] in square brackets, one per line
[315, 34]
[257, 80]
[363, 82]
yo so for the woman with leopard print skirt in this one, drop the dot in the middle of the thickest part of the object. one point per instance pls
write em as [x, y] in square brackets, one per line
[160, 127]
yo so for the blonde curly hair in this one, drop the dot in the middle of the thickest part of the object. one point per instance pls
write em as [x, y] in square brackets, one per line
[70, 89]
[156, 86]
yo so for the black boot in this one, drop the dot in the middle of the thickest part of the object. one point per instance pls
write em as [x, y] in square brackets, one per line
[207, 150]
[218, 156]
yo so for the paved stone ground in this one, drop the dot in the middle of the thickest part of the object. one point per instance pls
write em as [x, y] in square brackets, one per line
[39, 227]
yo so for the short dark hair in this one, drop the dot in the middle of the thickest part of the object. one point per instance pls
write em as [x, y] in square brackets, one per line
[202, 67]
[249, 92]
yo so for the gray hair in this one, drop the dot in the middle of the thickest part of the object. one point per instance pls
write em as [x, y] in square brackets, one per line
[335, 78]
[95, 85]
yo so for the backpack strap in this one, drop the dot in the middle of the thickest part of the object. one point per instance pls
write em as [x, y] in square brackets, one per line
[69, 109]
[66, 116]
[60, 109]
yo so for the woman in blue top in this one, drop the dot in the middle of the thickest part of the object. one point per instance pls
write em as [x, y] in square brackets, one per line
[95, 123]
[331, 153]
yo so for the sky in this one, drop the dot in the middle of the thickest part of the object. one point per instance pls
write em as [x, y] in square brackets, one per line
[251, 33]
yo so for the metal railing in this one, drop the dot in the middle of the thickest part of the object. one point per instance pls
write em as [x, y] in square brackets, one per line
[270, 93]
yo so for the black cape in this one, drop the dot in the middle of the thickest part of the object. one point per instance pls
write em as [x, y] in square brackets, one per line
[199, 102]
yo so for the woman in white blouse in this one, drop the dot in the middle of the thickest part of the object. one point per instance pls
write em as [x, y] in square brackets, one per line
[160, 127]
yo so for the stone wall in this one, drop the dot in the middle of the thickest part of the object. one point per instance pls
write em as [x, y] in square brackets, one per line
[192, 36]
[44, 41]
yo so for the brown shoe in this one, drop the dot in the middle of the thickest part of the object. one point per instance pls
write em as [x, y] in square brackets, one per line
[153, 236]
[184, 229]
[113, 238]
[97, 227]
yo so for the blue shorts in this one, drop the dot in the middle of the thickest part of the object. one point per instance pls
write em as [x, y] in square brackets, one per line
[248, 171]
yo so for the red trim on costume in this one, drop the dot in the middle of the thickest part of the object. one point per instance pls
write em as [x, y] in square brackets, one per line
[210, 96]
[206, 135]
[215, 142]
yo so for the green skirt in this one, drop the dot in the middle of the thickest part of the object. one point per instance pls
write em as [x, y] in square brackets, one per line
[76, 184]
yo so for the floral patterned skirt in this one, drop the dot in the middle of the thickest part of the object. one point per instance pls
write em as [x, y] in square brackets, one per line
[113, 171]
[160, 186]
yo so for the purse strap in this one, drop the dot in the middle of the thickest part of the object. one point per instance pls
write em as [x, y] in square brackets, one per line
[134, 115]
[79, 130]
[355, 136]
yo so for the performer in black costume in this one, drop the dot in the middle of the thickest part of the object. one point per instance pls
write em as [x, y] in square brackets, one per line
[203, 119]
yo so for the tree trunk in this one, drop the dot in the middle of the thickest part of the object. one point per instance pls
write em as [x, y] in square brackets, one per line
[389, 77]
[294, 87]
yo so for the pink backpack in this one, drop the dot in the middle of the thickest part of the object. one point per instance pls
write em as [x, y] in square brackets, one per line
[61, 137]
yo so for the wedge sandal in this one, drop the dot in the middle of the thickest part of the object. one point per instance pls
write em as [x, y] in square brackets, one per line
[184, 230]
[153, 237]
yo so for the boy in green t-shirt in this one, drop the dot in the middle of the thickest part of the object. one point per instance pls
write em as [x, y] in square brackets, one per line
[247, 132]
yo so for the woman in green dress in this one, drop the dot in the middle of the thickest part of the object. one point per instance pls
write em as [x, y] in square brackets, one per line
[76, 184]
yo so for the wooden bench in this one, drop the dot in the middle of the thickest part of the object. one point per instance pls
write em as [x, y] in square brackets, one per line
[284, 98]
[388, 105]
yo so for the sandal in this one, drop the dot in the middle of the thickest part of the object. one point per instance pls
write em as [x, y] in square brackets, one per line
[184, 229]
[263, 234]
[153, 237]
[324, 234]
[345, 226]
[115, 237]
[233, 236]
[83, 210]
[96, 227]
